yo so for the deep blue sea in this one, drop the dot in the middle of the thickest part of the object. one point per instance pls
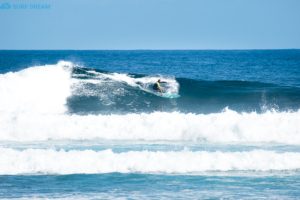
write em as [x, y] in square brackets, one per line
[88, 125]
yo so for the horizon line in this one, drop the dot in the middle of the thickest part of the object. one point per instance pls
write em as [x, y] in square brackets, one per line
[143, 49]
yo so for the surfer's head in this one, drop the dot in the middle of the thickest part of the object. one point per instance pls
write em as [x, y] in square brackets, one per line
[158, 80]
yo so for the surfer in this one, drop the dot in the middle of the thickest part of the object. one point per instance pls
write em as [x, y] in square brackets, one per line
[157, 87]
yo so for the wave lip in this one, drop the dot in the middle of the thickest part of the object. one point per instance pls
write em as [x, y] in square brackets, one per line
[41, 89]
[34, 161]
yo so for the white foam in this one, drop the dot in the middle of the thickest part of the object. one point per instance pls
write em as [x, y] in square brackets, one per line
[50, 161]
[41, 89]
[144, 83]
[172, 87]
[109, 86]
[228, 126]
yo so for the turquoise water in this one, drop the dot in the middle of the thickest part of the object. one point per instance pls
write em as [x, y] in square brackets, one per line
[88, 125]
[115, 185]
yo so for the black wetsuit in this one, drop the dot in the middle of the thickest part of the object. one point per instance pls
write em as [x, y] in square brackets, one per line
[156, 86]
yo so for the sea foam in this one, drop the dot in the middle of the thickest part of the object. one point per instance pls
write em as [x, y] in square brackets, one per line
[227, 126]
[50, 161]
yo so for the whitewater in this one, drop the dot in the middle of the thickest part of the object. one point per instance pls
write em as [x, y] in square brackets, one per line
[50, 161]
[79, 123]
[37, 112]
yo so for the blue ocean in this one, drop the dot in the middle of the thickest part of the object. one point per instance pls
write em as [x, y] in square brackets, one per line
[88, 125]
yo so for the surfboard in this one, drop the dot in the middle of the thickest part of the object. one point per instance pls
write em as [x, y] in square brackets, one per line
[169, 96]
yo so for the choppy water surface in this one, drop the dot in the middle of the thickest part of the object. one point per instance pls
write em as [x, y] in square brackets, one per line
[87, 124]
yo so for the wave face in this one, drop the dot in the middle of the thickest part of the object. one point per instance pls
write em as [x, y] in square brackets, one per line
[100, 92]
[32, 161]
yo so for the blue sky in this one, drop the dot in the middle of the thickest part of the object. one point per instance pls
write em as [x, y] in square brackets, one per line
[151, 24]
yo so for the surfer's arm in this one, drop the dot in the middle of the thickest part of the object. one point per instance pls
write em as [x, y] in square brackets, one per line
[160, 86]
